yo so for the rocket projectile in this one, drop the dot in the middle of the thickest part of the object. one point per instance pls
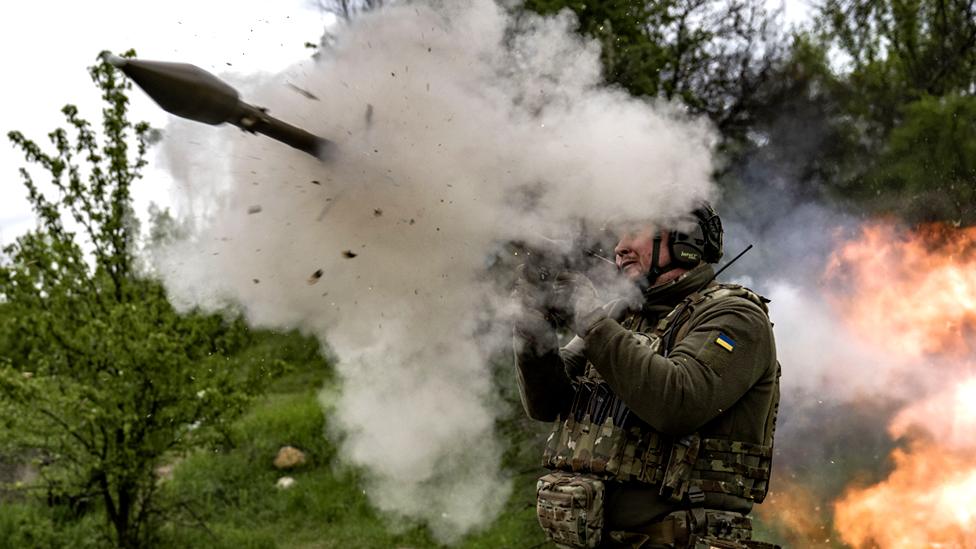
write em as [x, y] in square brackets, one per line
[190, 92]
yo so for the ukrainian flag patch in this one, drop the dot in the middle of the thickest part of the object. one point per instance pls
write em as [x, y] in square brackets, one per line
[725, 342]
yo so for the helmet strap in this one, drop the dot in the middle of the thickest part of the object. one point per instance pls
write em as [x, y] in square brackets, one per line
[655, 270]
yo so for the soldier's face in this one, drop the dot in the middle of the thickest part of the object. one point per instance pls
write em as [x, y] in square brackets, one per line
[635, 249]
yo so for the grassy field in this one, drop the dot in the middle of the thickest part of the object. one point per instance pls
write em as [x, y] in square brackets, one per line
[326, 507]
[227, 498]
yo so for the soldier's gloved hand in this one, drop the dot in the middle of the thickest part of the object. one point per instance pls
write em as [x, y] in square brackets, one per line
[580, 300]
[587, 308]
[618, 309]
[532, 321]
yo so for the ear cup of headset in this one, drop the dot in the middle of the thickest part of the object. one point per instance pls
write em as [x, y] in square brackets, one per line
[686, 249]
[712, 233]
[702, 243]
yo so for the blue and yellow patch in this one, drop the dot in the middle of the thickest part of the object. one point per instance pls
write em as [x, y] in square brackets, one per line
[725, 342]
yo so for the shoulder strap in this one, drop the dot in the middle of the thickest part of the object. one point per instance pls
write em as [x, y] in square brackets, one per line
[674, 326]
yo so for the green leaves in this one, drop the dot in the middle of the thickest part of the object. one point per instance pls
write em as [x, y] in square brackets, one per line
[714, 56]
[99, 375]
[928, 165]
[906, 95]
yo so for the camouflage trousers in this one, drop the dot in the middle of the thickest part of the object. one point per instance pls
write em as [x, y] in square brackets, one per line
[698, 529]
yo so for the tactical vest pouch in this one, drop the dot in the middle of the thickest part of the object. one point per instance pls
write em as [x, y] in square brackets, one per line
[684, 452]
[552, 442]
[570, 509]
[585, 447]
[607, 449]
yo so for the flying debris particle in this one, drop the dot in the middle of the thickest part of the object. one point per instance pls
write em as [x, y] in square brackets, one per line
[316, 182]
[325, 209]
[377, 212]
[255, 280]
[369, 114]
[349, 254]
[412, 221]
[314, 277]
[254, 209]
[393, 74]
[307, 94]
[228, 63]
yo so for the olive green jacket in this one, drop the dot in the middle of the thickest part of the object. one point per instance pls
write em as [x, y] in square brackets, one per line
[700, 387]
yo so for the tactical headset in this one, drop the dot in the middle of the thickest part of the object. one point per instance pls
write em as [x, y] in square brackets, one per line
[703, 243]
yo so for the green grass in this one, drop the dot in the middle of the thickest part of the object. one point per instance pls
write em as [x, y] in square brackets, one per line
[228, 499]
[233, 492]
[24, 525]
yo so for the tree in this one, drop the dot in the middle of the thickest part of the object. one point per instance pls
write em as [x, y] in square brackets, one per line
[100, 376]
[715, 56]
[346, 10]
[909, 92]
[926, 170]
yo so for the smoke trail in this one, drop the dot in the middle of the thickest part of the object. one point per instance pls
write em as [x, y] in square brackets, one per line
[458, 128]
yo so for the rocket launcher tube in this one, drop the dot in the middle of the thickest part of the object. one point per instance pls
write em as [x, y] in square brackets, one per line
[256, 120]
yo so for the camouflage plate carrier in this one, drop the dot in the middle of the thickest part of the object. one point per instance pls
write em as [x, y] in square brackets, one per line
[599, 441]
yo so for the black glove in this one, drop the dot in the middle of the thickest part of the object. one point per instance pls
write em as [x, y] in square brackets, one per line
[533, 321]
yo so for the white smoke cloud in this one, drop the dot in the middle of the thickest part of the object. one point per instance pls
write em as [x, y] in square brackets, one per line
[444, 115]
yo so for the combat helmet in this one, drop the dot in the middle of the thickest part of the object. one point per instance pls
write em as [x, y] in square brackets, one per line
[701, 243]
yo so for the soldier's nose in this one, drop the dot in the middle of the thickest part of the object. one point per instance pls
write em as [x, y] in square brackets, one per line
[621, 249]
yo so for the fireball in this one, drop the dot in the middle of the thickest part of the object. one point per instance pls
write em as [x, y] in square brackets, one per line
[909, 291]
[913, 293]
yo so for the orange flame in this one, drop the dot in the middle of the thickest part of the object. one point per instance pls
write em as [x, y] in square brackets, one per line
[792, 510]
[929, 500]
[914, 294]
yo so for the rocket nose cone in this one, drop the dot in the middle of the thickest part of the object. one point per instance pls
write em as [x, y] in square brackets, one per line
[184, 90]
[116, 61]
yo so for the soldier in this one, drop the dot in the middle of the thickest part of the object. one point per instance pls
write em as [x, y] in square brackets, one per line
[663, 411]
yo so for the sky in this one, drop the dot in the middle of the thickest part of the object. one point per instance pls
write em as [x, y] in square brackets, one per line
[45, 48]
